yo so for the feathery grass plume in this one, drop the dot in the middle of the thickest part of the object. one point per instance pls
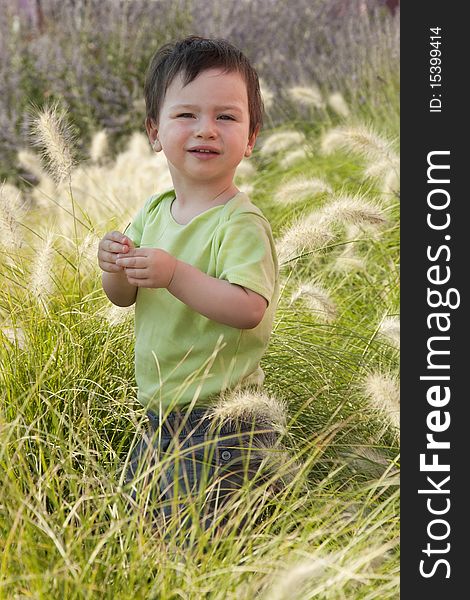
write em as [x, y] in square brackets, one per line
[139, 169]
[246, 188]
[41, 284]
[282, 140]
[370, 461]
[293, 157]
[12, 209]
[117, 315]
[300, 188]
[99, 149]
[111, 190]
[269, 416]
[381, 167]
[54, 136]
[391, 183]
[243, 404]
[245, 169]
[352, 210]
[291, 583]
[307, 96]
[387, 170]
[318, 301]
[390, 330]
[15, 335]
[138, 145]
[360, 139]
[87, 251]
[348, 260]
[383, 393]
[338, 104]
[266, 94]
[305, 235]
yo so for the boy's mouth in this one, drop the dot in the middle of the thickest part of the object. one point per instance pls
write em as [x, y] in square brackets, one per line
[203, 150]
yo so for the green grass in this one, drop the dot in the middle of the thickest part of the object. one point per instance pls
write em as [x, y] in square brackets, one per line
[68, 417]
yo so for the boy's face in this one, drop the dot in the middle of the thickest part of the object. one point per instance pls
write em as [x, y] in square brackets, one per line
[210, 113]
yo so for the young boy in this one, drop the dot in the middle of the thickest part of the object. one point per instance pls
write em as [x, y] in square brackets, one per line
[199, 261]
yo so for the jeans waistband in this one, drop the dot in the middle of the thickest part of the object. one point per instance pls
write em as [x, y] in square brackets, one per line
[194, 422]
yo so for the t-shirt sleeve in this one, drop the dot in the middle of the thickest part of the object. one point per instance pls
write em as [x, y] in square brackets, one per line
[247, 255]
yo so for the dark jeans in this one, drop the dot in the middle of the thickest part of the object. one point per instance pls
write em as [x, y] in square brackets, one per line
[190, 456]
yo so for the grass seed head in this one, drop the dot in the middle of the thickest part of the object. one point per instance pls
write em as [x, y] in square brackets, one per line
[54, 136]
[307, 96]
[383, 393]
[348, 261]
[390, 330]
[40, 279]
[338, 104]
[360, 139]
[117, 315]
[291, 583]
[300, 188]
[15, 335]
[99, 149]
[352, 210]
[318, 301]
[245, 169]
[244, 404]
[293, 156]
[306, 235]
[282, 140]
[12, 210]
[391, 183]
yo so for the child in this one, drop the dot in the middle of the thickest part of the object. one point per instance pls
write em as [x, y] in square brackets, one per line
[199, 261]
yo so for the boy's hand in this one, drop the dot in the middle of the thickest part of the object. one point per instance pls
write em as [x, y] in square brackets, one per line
[110, 246]
[148, 267]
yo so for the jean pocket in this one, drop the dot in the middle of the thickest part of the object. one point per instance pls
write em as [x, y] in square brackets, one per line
[188, 470]
[238, 460]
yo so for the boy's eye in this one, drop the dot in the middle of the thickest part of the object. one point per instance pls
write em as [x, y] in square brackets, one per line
[185, 115]
[227, 117]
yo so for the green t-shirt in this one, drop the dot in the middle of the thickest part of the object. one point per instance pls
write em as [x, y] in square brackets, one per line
[181, 356]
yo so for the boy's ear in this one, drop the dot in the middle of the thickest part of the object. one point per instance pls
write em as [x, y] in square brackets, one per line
[152, 133]
[252, 142]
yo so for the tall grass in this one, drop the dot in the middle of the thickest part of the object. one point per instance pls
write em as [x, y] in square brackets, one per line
[68, 416]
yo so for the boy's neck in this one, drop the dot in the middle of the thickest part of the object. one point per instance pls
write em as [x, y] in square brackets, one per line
[198, 198]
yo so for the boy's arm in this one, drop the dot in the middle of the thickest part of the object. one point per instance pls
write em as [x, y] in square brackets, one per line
[118, 289]
[216, 299]
[114, 279]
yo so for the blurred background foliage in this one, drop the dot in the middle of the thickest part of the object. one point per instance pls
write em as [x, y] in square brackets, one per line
[91, 55]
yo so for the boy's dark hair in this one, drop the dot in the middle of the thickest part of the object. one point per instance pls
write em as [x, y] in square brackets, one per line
[190, 56]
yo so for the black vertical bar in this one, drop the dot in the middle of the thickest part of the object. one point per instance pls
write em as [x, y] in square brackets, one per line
[434, 559]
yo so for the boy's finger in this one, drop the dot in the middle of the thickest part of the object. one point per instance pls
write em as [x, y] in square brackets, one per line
[126, 240]
[115, 236]
[110, 267]
[132, 261]
[138, 274]
[116, 247]
[109, 257]
[138, 252]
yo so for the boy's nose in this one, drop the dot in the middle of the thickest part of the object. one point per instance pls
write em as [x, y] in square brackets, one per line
[206, 129]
